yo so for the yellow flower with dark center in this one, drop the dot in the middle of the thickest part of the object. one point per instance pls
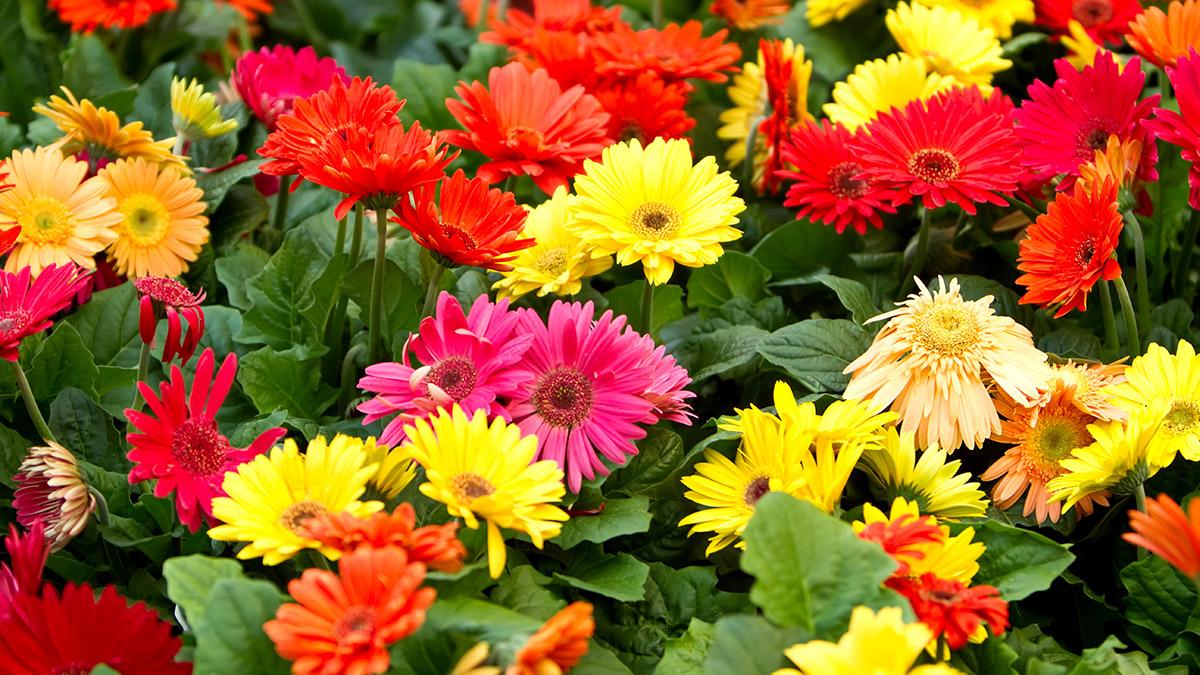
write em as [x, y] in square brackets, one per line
[395, 470]
[99, 131]
[195, 113]
[930, 482]
[880, 643]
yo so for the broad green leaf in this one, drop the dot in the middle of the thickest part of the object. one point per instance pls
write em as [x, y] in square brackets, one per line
[280, 381]
[64, 361]
[659, 455]
[479, 620]
[685, 655]
[620, 516]
[713, 347]
[89, 70]
[1018, 562]
[747, 645]
[231, 638]
[1160, 599]
[736, 274]
[221, 328]
[688, 593]
[426, 651]
[1004, 300]
[1071, 342]
[523, 590]
[426, 87]
[13, 447]
[216, 183]
[152, 105]
[620, 577]
[854, 296]
[279, 296]
[600, 661]
[815, 352]
[108, 326]
[238, 267]
[86, 429]
[801, 249]
[401, 301]
[1105, 659]
[627, 300]
[993, 657]
[190, 579]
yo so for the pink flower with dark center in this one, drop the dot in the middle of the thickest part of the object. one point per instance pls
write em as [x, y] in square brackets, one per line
[26, 304]
[270, 79]
[164, 297]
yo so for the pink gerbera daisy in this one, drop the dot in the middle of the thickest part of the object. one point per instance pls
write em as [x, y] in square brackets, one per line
[587, 392]
[1062, 126]
[1182, 128]
[466, 359]
[27, 554]
[667, 381]
[163, 297]
[178, 442]
[26, 303]
[270, 79]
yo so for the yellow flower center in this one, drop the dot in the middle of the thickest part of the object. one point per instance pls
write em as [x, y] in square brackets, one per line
[45, 220]
[655, 221]
[146, 219]
[295, 516]
[1183, 417]
[947, 330]
[755, 490]
[553, 262]
[471, 486]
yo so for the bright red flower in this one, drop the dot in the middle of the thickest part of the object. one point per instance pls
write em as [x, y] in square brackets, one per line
[27, 555]
[8, 238]
[271, 79]
[1182, 128]
[750, 14]
[788, 107]
[26, 304]
[1105, 20]
[178, 443]
[903, 538]
[1070, 248]
[527, 125]
[76, 631]
[646, 108]
[165, 297]
[566, 16]
[1169, 532]
[673, 53]
[88, 15]
[953, 148]
[952, 609]
[468, 224]
[435, 545]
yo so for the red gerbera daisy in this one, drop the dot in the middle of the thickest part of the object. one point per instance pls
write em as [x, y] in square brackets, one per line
[435, 545]
[952, 609]
[165, 297]
[567, 57]
[903, 537]
[76, 631]
[27, 555]
[26, 304]
[88, 15]
[646, 108]
[1183, 128]
[953, 148]
[1169, 532]
[788, 106]
[567, 16]
[673, 53]
[1105, 20]
[1062, 126]
[468, 224]
[1070, 248]
[178, 443]
[527, 125]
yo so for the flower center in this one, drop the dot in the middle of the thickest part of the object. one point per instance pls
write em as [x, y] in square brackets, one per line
[356, 625]
[167, 291]
[454, 375]
[295, 516]
[13, 321]
[146, 219]
[199, 447]
[756, 489]
[933, 165]
[655, 221]
[452, 233]
[949, 331]
[563, 397]
[1091, 12]
[1093, 136]
[842, 182]
[942, 596]
[471, 486]
[1183, 417]
[1085, 252]
[45, 219]
[525, 138]
[553, 262]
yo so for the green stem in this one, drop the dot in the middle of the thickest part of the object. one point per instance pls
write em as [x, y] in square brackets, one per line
[941, 649]
[1021, 206]
[101, 505]
[1110, 318]
[1139, 499]
[31, 405]
[647, 317]
[1139, 261]
[349, 365]
[332, 325]
[281, 203]
[656, 13]
[143, 375]
[318, 560]
[431, 293]
[357, 238]
[922, 252]
[1182, 280]
[180, 140]
[1131, 329]
[481, 17]
[375, 328]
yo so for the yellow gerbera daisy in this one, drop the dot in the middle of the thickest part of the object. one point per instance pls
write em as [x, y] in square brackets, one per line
[821, 12]
[952, 557]
[271, 497]
[950, 43]
[163, 226]
[98, 130]
[395, 470]
[1081, 48]
[63, 217]
[876, 642]
[1172, 382]
[999, 15]
[195, 113]
[842, 421]
[881, 85]
[931, 483]
[487, 471]
[559, 261]
[651, 205]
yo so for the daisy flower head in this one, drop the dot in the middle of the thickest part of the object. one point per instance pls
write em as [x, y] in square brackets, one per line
[1171, 381]
[178, 443]
[652, 205]
[1106, 21]
[822, 12]
[558, 261]
[51, 489]
[98, 131]
[85, 16]
[270, 80]
[519, 26]
[750, 14]
[271, 497]
[673, 53]
[527, 125]
[436, 546]
[936, 360]
[932, 483]
[644, 107]
[455, 358]
[64, 217]
[558, 644]
[1163, 37]
[951, 609]
[998, 15]
[27, 303]
[667, 393]
[880, 86]
[1119, 162]
[27, 555]
[1169, 532]
[1180, 128]
[395, 471]
[465, 222]
[1082, 50]
[166, 298]
[918, 544]
[950, 42]
[195, 113]
[488, 471]
[875, 642]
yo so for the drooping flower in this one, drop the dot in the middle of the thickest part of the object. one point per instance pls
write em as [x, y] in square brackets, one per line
[344, 622]
[1172, 381]
[51, 489]
[470, 360]
[195, 113]
[645, 108]
[1163, 37]
[951, 609]
[483, 471]
[27, 303]
[395, 470]
[822, 12]
[436, 546]
[667, 392]
[272, 497]
[875, 643]
[651, 205]
[936, 486]
[64, 217]
[1180, 128]
[918, 544]
[98, 132]
[527, 125]
[999, 15]
[673, 53]
[178, 444]
[1105, 20]
[271, 79]
[559, 644]
[87, 15]
[950, 42]
[169, 299]
[880, 86]
[930, 361]
[750, 14]
[1119, 163]
[1169, 532]
[162, 227]
[468, 223]
[76, 630]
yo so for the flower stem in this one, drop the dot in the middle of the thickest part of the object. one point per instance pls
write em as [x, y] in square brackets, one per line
[942, 649]
[31, 405]
[177, 149]
[101, 505]
[1139, 499]
[656, 13]
[922, 252]
[143, 375]
[1139, 261]
[647, 318]
[1183, 267]
[332, 330]
[318, 560]
[1110, 319]
[1131, 329]
[435, 285]
[375, 328]
[481, 17]
[356, 239]
[346, 381]
[281, 203]
[1021, 206]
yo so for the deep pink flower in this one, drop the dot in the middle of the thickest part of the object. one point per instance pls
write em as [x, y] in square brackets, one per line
[178, 442]
[26, 304]
[165, 297]
[466, 359]
[667, 381]
[1182, 128]
[268, 80]
[23, 574]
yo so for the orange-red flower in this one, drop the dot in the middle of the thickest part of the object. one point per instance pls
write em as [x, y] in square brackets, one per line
[750, 14]
[527, 125]
[952, 609]
[344, 622]
[435, 545]
[903, 538]
[646, 108]
[558, 645]
[673, 53]
[1070, 248]
[88, 15]
[1169, 532]
[787, 96]
[518, 27]
[1162, 37]
[251, 9]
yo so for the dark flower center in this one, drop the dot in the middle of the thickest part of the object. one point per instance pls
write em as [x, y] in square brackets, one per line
[199, 447]
[456, 233]
[655, 220]
[756, 489]
[357, 624]
[563, 397]
[295, 516]
[470, 486]
[1093, 136]
[842, 181]
[455, 375]
[944, 596]
[933, 165]
[1085, 252]
[1091, 12]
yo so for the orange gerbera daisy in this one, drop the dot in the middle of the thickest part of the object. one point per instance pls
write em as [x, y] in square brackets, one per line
[559, 644]
[1162, 37]
[344, 622]
[98, 132]
[88, 15]
[674, 53]
[1118, 162]
[1169, 532]
[1071, 248]
[519, 26]
[251, 9]
[750, 14]
[435, 545]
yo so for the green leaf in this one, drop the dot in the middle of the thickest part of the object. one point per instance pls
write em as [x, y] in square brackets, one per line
[13, 447]
[82, 426]
[600, 661]
[1071, 342]
[1004, 300]
[426, 87]
[231, 638]
[523, 590]
[712, 347]
[1105, 659]
[688, 593]
[801, 249]
[747, 645]
[1160, 599]
[620, 516]
[815, 352]
[216, 183]
[64, 361]
[222, 325]
[152, 105]
[859, 37]
[478, 619]
[401, 303]
[280, 381]
[660, 453]
[190, 580]
[1019, 562]
[736, 274]
[620, 577]
[108, 326]
[627, 300]
[802, 560]
[89, 70]
[853, 295]
[280, 294]
[685, 655]
[235, 269]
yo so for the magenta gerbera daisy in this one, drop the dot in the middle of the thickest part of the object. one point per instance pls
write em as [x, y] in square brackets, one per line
[1182, 128]
[270, 79]
[460, 358]
[666, 392]
[22, 575]
[1062, 126]
[179, 444]
[26, 303]
[587, 394]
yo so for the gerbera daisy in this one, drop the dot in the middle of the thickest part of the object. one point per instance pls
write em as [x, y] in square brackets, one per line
[22, 574]
[559, 644]
[77, 630]
[1162, 37]
[749, 15]
[951, 43]
[645, 108]
[527, 125]
[51, 489]
[874, 643]
[436, 546]
[1169, 532]
[1118, 162]
[1062, 126]
[1180, 128]
[930, 361]
[27, 303]
[1159, 378]
[570, 60]
[163, 225]
[64, 217]
[271, 497]
[517, 28]
[830, 185]
[98, 132]
[195, 113]
[468, 223]
[651, 205]
[933, 552]
[842, 422]
[1105, 20]
[673, 53]
[1081, 49]
[880, 86]
[821, 12]
[934, 485]
[558, 261]
[489, 472]
[270, 79]
[166, 298]
[954, 148]
[88, 15]
[396, 470]
[465, 359]
[952, 610]
[344, 622]
[998, 15]
[667, 393]
[901, 536]
[178, 444]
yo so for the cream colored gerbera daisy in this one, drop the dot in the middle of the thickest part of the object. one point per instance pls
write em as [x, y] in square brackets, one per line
[950, 42]
[881, 85]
